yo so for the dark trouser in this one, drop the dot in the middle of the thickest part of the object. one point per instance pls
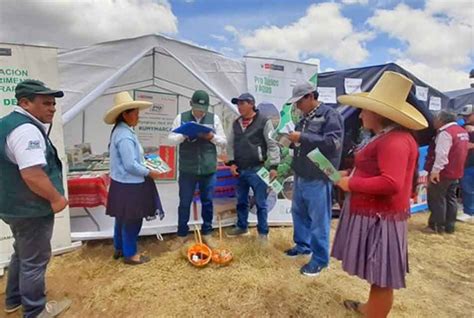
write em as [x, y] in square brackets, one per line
[467, 186]
[26, 273]
[248, 178]
[126, 235]
[187, 185]
[442, 204]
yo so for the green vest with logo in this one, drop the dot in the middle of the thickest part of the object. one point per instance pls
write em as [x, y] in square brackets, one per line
[199, 156]
[16, 198]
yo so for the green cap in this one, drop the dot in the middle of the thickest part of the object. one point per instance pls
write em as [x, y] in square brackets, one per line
[31, 87]
[200, 100]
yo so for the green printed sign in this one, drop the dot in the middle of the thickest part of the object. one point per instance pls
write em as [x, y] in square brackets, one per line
[9, 79]
[265, 85]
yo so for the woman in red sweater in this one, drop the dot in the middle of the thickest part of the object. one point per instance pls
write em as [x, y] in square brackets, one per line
[371, 238]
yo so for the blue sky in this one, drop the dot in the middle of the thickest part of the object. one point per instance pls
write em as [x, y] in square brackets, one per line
[434, 39]
[199, 20]
[205, 22]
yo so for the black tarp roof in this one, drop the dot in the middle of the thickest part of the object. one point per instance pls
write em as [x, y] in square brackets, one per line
[459, 98]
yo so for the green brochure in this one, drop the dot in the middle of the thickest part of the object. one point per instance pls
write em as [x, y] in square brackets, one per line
[264, 174]
[276, 186]
[324, 165]
[155, 162]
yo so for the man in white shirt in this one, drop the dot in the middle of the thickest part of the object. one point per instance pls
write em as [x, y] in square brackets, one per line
[31, 192]
[197, 165]
[445, 163]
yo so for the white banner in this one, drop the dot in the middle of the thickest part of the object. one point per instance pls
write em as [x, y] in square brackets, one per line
[17, 63]
[156, 122]
[422, 93]
[327, 95]
[435, 103]
[271, 81]
[352, 85]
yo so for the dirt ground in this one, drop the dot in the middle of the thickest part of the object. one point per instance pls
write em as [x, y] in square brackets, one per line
[260, 282]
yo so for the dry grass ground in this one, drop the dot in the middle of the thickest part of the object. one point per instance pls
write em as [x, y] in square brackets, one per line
[260, 282]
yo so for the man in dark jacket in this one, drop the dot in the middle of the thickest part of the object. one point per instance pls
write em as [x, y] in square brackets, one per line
[320, 127]
[250, 145]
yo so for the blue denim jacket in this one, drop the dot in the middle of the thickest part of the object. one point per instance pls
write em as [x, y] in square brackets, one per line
[126, 156]
[324, 130]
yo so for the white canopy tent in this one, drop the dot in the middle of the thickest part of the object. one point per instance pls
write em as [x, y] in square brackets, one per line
[91, 75]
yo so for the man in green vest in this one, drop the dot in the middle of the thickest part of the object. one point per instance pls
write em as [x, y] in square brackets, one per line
[31, 192]
[197, 165]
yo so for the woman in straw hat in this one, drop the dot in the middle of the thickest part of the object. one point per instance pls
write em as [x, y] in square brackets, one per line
[371, 238]
[132, 194]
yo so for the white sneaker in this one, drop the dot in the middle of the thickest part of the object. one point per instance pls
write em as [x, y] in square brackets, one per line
[11, 309]
[54, 308]
[465, 218]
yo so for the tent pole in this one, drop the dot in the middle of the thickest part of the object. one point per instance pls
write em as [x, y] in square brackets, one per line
[153, 63]
[83, 126]
[219, 95]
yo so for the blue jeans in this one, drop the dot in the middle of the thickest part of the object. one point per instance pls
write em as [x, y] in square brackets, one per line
[311, 210]
[126, 235]
[248, 178]
[26, 272]
[467, 187]
[187, 185]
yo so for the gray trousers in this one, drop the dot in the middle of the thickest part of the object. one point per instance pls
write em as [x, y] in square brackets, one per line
[26, 273]
[443, 205]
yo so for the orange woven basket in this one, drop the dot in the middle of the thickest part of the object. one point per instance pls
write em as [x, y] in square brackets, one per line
[199, 254]
[221, 256]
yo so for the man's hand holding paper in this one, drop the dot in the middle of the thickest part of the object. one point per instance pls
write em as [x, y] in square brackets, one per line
[207, 136]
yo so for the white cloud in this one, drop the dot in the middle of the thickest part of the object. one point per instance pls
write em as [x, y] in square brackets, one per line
[362, 2]
[315, 61]
[462, 10]
[441, 78]
[227, 51]
[438, 35]
[219, 37]
[231, 29]
[321, 31]
[439, 40]
[69, 23]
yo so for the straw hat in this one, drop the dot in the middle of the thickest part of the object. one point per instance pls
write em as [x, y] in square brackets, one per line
[388, 99]
[122, 102]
